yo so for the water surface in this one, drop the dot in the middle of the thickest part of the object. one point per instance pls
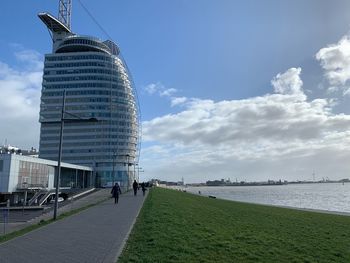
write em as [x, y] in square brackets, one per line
[321, 196]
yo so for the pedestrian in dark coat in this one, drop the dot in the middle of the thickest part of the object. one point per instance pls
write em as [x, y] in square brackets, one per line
[143, 187]
[115, 192]
[135, 185]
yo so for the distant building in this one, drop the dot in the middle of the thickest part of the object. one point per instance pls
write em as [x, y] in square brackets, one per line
[216, 182]
[15, 150]
[154, 182]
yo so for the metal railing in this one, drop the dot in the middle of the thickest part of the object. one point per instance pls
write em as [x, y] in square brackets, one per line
[5, 213]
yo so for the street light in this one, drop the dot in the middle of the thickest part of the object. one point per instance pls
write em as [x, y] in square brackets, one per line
[139, 169]
[76, 119]
[113, 176]
[127, 156]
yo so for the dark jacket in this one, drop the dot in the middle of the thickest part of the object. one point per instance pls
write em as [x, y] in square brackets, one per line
[143, 187]
[116, 190]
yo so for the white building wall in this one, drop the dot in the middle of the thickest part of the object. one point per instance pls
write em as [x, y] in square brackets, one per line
[13, 180]
[5, 172]
[11, 166]
[51, 179]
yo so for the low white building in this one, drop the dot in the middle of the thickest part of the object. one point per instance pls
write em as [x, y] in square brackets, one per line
[21, 175]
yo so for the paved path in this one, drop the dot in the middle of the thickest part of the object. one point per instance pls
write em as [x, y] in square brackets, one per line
[92, 198]
[97, 234]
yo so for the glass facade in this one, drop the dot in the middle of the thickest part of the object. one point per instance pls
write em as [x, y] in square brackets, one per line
[97, 85]
[33, 175]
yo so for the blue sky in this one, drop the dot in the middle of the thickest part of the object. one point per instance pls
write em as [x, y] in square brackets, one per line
[194, 62]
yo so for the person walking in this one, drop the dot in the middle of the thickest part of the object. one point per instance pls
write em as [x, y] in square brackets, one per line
[115, 192]
[135, 185]
[143, 187]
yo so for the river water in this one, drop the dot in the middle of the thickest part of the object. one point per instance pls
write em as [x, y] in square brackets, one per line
[320, 196]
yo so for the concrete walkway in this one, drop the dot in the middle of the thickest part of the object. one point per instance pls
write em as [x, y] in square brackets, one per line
[92, 198]
[97, 234]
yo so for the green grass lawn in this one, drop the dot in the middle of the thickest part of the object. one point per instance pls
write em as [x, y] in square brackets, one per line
[179, 227]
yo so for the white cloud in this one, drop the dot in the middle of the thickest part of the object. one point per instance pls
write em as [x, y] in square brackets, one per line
[178, 101]
[280, 135]
[159, 89]
[288, 83]
[152, 88]
[167, 92]
[31, 58]
[20, 92]
[335, 60]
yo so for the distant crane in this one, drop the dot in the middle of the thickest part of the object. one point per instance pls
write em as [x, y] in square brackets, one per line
[65, 12]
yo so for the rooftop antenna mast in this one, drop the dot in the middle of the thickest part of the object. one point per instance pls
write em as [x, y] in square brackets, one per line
[65, 11]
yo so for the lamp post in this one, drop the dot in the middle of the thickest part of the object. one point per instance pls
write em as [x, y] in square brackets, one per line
[113, 176]
[139, 169]
[135, 172]
[62, 120]
[127, 156]
[59, 158]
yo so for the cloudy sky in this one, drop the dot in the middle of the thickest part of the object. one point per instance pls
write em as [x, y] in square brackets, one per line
[246, 90]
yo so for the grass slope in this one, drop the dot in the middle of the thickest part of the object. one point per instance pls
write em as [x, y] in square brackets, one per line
[181, 227]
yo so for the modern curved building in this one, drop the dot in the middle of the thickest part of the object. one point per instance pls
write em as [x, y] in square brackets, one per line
[88, 79]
